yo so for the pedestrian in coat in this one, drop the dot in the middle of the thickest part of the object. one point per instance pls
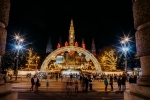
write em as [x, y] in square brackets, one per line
[111, 82]
[86, 84]
[106, 83]
[32, 83]
[90, 83]
[123, 83]
[119, 82]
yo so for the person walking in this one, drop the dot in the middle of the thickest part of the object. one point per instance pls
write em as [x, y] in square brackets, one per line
[123, 83]
[106, 83]
[61, 76]
[135, 79]
[77, 77]
[83, 84]
[119, 82]
[47, 83]
[71, 77]
[130, 79]
[56, 76]
[32, 83]
[90, 83]
[111, 82]
[86, 84]
[36, 83]
[81, 77]
[76, 86]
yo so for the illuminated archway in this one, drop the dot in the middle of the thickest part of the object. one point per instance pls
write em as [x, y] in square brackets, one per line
[71, 48]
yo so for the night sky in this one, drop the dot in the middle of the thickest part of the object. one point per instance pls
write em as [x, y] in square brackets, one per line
[38, 20]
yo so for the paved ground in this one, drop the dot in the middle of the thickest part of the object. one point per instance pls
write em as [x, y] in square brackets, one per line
[57, 91]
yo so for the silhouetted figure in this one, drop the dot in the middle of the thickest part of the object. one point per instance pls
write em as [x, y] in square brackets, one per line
[76, 86]
[86, 84]
[135, 79]
[119, 83]
[83, 84]
[111, 83]
[90, 82]
[71, 76]
[81, 77]
[37, 84]
[130, 79]
[32, 83]
[56, 77]
[123, 83]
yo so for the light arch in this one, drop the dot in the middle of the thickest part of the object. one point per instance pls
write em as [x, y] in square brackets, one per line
[71, 48]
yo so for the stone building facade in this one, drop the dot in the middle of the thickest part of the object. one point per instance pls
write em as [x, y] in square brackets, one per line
[141, 14]
[5, 89]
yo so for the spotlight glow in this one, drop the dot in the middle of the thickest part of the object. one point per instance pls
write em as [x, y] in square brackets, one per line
[125, 49]
[16, 37]
[126, 39]
[21, 40]
[18, 47]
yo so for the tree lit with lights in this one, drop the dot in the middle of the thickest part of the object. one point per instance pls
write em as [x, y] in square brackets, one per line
[108, 59]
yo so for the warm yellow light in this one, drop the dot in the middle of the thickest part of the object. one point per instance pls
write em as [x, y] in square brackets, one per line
[103, 58]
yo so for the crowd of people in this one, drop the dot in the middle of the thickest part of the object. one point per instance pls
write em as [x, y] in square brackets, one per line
[86, 81]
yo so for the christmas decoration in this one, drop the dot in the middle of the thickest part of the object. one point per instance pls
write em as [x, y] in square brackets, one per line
[58, 45]
[66, 43]
[76, 44]
[80, 54]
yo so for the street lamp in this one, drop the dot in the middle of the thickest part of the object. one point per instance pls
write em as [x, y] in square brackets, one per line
[125, 49]
[18, 46]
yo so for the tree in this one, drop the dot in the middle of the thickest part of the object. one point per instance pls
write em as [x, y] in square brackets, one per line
[9, 60]
[108, 58]
[31, 57]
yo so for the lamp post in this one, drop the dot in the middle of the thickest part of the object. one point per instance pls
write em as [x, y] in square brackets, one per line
[125, 49]
[18, 46]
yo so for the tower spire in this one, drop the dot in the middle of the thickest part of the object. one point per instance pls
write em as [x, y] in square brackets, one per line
[71, 34]
[49, 46]
[83, 44]
[93, 48]
[71, 31]
[60, 41]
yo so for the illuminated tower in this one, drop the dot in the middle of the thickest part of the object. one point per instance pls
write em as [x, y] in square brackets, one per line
[71, 34]
[83, 44]
[93, 51]
[60, 42]
[49, 46]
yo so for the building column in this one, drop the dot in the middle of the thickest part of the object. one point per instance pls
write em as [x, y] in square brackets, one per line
[4, 17]
[141, 14]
